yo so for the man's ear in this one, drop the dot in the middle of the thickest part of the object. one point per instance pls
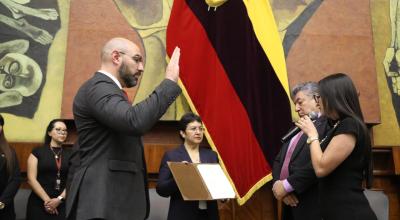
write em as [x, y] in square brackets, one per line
[116, 58]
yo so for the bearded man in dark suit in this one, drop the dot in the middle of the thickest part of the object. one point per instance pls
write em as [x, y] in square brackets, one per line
[109, 180]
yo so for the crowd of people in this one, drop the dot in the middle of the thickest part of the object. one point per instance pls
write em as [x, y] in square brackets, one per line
[318, 173]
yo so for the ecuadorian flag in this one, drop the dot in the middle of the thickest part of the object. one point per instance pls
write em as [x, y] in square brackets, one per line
[233, 74]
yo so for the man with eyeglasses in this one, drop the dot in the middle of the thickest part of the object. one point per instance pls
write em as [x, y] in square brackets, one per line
[109, 180]
[294, 179]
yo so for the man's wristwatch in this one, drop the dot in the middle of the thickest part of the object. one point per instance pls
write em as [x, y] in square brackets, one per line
[61, 198]
[311, 139]
[2, 205]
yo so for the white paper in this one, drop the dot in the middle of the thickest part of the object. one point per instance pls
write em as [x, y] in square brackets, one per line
[217, 183]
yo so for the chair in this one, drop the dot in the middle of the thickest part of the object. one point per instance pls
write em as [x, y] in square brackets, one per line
[158, 206]
[20, 203]
[379, 203]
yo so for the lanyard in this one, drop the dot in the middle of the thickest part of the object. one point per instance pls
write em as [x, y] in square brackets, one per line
[58, 159]
[58, 164]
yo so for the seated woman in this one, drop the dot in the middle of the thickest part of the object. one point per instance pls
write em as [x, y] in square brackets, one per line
[191, 130]
[10, 177]
[47, 174]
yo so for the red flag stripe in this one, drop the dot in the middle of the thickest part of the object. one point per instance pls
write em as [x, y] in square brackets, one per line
[213, 96]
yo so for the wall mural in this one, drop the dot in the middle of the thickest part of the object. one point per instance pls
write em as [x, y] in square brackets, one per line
[391, 62]
[386, 43]
[31, 81]
[293, 15]
[150, 20]
[28, 29]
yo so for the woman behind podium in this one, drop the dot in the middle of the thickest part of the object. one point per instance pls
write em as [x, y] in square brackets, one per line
[342, 159]
[192, 131]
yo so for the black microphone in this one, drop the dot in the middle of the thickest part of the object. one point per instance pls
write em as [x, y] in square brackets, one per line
[313, 116]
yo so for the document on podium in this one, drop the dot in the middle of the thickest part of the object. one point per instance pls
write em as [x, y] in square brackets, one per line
[201, 181]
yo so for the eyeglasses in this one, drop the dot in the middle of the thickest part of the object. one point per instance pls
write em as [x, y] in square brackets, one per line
[61, 131]
[137, 58]
[194, 129]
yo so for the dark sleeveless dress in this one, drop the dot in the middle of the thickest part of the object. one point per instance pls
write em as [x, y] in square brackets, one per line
[46, 176]
[341, 192]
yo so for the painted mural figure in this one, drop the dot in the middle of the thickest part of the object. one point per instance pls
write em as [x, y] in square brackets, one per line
[18, 11]
[28, 29]
[393, 52]
[287, 11]
[150, 20]
[19, 76]
[291, 16]
[391, 61]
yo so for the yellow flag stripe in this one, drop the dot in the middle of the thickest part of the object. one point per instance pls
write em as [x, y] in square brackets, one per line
[265, 28]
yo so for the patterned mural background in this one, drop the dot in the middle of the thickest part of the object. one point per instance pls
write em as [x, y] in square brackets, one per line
[384, 31]
[149, 19]
[29, 123]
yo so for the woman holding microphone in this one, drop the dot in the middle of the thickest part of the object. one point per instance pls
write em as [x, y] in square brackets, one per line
[341, 159]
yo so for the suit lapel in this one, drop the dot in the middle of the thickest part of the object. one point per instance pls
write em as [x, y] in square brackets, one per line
[299, 146]
[2, 161]
[102, 77]
[285, 147]
[203, 156]
[183, 154]
[302, 142]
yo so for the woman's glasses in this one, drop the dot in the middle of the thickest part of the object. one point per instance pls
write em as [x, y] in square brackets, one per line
[194, 129]
[61, 131]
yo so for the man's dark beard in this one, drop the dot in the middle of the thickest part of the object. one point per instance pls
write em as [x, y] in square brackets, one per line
[129, 80]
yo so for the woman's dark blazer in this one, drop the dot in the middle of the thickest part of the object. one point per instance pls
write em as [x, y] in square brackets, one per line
[166, 186]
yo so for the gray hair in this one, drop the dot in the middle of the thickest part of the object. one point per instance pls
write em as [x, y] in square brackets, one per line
[309, 88]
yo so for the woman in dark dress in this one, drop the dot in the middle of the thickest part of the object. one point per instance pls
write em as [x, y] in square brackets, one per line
[47, 174]
[342, 159]
[191, 131]
[10, 177]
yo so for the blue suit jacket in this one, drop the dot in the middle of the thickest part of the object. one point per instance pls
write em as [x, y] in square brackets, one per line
[166, 186]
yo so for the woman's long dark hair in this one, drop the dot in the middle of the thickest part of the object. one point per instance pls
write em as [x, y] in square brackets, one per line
[50, 126]
[5, 148]
[339, 95]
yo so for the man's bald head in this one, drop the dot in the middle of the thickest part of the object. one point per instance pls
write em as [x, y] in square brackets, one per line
[123, 59]
[116, 44]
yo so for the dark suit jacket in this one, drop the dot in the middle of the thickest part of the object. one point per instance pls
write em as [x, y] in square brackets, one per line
[301, 176]
[110, 180]
[9, 185]
[166, 186]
